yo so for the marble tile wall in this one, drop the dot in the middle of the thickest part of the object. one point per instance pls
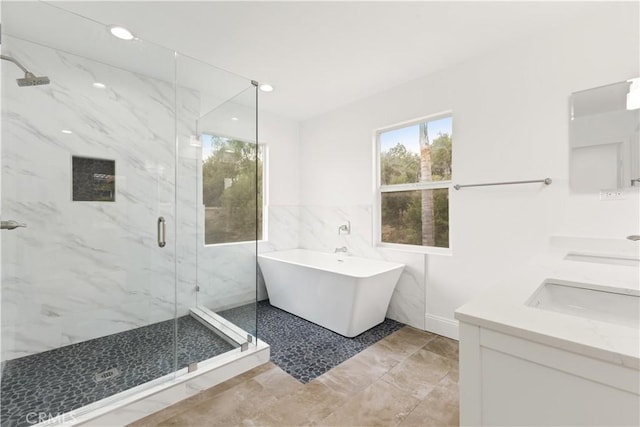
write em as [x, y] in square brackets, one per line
[81, 270]
[283, 228]
[226, 273]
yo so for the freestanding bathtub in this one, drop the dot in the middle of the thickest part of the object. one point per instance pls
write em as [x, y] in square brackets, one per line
[345, 294]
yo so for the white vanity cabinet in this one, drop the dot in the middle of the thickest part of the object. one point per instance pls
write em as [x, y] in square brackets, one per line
[521, 365]
[507, 380]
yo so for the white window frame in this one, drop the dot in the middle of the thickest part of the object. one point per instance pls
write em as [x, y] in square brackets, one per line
[430, 185]
[265, 191]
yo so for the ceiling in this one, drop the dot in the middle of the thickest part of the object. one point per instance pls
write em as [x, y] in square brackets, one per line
[322, 55]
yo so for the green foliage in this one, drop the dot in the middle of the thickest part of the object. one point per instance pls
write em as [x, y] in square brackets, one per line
[402, 210]
[441, 158]
[399, 166]
[401, 217]
[229, 188]
[441, 217]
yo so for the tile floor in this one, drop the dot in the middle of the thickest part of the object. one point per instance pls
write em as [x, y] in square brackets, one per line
[409, 378]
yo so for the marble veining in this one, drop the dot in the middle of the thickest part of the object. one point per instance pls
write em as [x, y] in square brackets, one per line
[85, 270]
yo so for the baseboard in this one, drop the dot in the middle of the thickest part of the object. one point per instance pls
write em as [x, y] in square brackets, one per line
[441, 326]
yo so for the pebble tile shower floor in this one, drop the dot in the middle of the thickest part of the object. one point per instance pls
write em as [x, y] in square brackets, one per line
[303, 349]
[64, 379]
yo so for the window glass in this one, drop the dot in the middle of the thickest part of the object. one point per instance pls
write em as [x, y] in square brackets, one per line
[419, 217]
[402, 150]
[229, 186]
[417, 156]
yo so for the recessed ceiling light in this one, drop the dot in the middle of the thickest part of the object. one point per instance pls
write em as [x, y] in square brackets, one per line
[121, 32]
[99, 85]
[235, 119]
[266, 87]
[68, 132]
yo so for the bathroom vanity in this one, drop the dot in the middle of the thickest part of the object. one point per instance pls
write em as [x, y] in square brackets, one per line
[552, 350]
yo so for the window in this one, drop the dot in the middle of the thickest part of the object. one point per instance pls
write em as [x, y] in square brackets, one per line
[414, 166]
[230, 175]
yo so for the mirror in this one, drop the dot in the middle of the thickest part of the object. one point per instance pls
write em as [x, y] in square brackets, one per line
[603, 138]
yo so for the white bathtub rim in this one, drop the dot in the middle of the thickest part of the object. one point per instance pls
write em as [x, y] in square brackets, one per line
[381, 266]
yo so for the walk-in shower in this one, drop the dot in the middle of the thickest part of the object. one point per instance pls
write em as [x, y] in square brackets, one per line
[110, 291]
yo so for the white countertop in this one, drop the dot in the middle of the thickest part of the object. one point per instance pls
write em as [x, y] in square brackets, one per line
[504, 310]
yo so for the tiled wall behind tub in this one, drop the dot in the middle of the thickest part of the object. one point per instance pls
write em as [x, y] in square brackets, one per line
[283, 226]
[319, 231]
[81, 270]
[226, 273]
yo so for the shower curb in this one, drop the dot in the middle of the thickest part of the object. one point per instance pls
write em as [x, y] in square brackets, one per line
[146, 402]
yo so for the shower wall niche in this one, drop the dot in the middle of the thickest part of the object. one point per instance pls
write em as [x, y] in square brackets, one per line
[93, 180]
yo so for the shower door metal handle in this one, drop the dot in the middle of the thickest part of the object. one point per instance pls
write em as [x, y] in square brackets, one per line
[162, 232]
[10, 225]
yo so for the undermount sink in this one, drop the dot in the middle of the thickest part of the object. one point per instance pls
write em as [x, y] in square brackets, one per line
[605, 304]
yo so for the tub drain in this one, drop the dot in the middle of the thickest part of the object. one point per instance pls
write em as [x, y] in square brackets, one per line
[107, 375]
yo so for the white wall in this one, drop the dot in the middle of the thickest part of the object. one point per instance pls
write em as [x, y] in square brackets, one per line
[510, 110]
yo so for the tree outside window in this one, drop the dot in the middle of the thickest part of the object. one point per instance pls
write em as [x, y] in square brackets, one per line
[232, 186]
[415, 176]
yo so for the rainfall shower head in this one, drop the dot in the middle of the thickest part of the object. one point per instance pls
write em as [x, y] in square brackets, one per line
[29, 78]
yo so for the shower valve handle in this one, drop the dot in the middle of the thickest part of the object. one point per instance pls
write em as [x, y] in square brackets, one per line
[11, 224]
